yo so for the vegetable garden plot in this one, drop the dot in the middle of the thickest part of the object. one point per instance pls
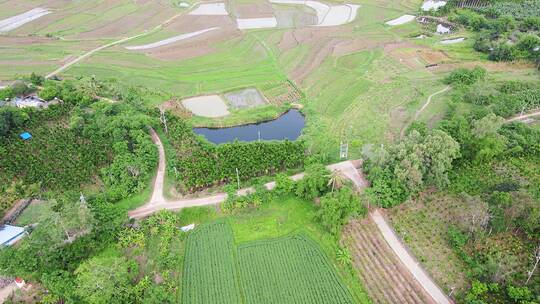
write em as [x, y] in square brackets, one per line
[209, 271]
[289, 270]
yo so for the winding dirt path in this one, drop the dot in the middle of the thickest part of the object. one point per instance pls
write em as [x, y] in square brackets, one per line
[159, 202]
[347, 168]
[157, 192]
[524, 116]
[408, 260]
[424, 106]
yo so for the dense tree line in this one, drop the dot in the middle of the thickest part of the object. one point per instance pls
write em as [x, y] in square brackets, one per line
[201, 164]
[503, 98]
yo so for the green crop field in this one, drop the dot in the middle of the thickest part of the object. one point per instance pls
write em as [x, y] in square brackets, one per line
[209, 268]
[289, 270]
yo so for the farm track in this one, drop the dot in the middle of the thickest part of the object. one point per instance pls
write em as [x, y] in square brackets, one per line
[386, 279]
[91, 52]
[158, 202]
[424, 106]
[524, 116]
[407, 259]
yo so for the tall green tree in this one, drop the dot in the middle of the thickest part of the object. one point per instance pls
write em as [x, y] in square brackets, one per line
[105, 280]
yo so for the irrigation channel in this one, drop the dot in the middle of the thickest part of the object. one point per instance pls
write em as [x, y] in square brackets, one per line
[287, 126]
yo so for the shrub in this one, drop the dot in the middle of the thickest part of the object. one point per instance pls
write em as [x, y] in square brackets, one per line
[337, 207]
[465, 76]
[315, 182]
[49, 91]
[284, 184]
[6, 93]
[502, 52]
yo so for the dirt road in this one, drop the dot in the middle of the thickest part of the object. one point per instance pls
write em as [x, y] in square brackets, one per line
[524, 116]
[348, 169]
[158, 202]
[408, 260]
[157, 193]
[424, 106]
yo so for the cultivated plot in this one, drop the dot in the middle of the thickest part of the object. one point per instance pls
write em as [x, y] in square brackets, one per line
[289, 270]
[209, 274]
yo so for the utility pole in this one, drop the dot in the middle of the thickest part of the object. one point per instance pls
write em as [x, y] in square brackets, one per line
[451, 291]
[163, 118]
[343, 150]
[238, 178]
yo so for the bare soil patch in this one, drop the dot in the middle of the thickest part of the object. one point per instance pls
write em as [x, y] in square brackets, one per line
[433, 56]
[206, 106]
[352, 46]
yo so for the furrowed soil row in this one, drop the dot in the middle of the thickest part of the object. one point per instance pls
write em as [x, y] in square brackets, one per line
[390, 266]
[370, 254]
[387, 281]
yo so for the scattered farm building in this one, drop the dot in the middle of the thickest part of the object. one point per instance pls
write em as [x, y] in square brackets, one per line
[31, 101]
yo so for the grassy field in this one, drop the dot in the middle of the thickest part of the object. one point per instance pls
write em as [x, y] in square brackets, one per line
[282, 221]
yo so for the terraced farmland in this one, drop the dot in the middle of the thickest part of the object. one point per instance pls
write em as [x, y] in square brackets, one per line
[209, 272]
[385, 278]
[289, 270]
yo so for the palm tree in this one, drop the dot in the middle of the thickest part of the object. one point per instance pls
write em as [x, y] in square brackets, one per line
[335, 179]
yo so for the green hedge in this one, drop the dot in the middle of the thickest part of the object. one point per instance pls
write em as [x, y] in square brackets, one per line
[201, 164]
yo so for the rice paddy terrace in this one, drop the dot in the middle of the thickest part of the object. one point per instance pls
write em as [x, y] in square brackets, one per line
[357, 68]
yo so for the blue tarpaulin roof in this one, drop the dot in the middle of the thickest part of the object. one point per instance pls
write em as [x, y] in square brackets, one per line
[26, 136]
